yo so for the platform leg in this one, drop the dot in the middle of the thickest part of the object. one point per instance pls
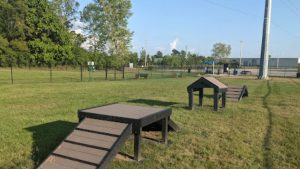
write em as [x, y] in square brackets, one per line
[164, 130]
[191, 100]
[137, 145]
[224, 99]
[201, 97]
[216, 101]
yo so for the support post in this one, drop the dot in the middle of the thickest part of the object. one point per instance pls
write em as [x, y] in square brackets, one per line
[223, 99]
[115, 74]
[164, 130]
[216, 100]
[137, 145]
[106, 72]
[81, 69]
[191, 100]
[123, 72]
[201, 97]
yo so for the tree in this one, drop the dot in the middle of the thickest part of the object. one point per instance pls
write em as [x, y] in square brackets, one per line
[106, 22]
[221, 50]
[48, 39]
[93, 18]
[143, 55]
[116, 14]
[66, 10]
[13, 29]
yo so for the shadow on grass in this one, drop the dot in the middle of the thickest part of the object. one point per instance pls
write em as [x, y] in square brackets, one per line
[46, 137]
[152, 102]
[268, 161]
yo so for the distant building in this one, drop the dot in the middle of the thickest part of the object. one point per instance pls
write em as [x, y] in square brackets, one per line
[273, 62]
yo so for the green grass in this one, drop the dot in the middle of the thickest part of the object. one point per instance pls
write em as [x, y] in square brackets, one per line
[262, 131]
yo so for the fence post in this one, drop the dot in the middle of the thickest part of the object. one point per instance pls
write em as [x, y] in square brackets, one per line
[105, 72]
[81, 72]
[123, 72]
[50, 73]
[115, 74]
[11, 74]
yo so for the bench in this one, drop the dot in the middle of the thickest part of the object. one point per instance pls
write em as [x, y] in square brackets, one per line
[246, 72]
[141, 75]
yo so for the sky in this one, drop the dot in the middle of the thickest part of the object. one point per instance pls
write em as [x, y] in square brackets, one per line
[196, 25]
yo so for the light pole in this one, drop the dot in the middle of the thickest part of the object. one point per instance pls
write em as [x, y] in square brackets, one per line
[264, 57]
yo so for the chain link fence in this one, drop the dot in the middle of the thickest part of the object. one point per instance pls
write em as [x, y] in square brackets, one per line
[17, 75]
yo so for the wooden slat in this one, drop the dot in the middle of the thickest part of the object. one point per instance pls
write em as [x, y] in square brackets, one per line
[102, 126]
[79, 152]
[92, 139]
[233, 93]
[55, 162]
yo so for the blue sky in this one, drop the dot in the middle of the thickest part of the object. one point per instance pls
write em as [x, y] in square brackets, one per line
[198, 24]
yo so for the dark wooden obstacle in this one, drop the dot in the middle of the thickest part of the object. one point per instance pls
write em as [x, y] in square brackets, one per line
[101, 133]
[236, 93]
[138, 116]
[207, 82]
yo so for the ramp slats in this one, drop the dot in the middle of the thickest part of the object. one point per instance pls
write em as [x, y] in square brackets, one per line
[87, 154]
[55, 162]
[235, 93]
[92, 139]
[91, 145]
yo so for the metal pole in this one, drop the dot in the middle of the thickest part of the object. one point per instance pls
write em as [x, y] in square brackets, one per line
[264, 58]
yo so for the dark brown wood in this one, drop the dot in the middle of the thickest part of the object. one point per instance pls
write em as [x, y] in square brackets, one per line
[92, 144]
[165, 130]
[236, 93]
[206, 82]
[223, 99]
[201, 97]
[216, 100]
[138, 116]
[137, 145]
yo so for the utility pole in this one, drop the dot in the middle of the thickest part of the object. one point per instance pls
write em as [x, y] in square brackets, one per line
[241, 52]
[264, 57]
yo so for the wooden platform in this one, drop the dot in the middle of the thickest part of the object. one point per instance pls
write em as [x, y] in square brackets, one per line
[138, 116]
[93, 144]
[236, 93]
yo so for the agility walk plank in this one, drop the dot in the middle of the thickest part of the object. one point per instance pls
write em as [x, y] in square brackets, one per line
[92, 145]
[236, 93]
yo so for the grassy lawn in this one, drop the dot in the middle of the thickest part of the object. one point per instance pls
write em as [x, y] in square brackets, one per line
[262, 131]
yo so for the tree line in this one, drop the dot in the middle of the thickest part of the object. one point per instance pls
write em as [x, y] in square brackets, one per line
[39, 33]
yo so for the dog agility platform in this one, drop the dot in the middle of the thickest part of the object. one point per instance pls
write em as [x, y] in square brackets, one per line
[101, 133]
[208, 82]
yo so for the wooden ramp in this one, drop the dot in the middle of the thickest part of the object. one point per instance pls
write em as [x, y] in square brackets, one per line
[236, 93]
[92, 144]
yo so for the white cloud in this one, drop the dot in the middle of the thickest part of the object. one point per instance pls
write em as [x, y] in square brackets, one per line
[193, 50]
[78, 27]
[174, 43]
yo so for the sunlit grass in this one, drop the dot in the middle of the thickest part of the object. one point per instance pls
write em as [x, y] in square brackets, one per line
[262, 131]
